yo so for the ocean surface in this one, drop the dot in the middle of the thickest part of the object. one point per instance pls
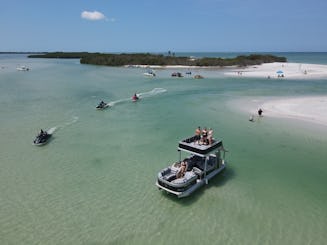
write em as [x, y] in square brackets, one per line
[94, 182]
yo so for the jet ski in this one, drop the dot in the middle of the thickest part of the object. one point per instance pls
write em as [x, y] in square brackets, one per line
[42, 138]
[102, 105]
[135, 98]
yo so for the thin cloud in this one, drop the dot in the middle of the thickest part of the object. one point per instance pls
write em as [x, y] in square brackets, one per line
[95, 15]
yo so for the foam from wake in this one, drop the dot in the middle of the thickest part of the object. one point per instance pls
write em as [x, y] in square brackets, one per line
[63, 125]
[141, 95]
[153, 92]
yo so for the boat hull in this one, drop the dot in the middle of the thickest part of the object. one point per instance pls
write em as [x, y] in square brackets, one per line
[189, 187]
[43, 141]
[102, 107]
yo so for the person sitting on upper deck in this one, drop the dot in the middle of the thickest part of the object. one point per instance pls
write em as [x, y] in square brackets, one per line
[181, 171]
[210, 136]
[204, 136]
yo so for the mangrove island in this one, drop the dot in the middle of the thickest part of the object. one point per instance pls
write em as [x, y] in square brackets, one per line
[126, 59]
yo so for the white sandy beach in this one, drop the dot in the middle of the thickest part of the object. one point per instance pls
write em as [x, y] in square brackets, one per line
[277, 70]
[310, 109]
[281, 70]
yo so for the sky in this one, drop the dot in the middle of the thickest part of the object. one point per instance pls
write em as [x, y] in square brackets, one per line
[163, 25]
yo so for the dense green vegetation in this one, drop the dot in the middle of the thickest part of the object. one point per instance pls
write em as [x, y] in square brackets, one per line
[158, 59]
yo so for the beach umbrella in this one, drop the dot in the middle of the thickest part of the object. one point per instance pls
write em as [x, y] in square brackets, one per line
[279, 72]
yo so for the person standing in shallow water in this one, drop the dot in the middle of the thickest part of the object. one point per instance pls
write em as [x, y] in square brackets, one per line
[260, 112]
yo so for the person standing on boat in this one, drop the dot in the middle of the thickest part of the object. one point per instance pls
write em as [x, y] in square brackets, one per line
[210, 136]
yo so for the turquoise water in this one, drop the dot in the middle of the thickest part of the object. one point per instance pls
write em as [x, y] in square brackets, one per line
[94, 182]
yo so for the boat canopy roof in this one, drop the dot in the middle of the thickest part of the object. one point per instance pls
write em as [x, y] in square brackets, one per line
[190, 145]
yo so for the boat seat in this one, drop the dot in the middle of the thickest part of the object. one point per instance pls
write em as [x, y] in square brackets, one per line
[197, 171]
[188, 177]
[169, 177]
[168, 174]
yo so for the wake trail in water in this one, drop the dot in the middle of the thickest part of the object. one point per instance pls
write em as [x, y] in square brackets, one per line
[61, 126]
[112, 103]
[153, 92]
[141, 95]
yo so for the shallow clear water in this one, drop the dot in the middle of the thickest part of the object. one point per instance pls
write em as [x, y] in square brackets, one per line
[94, 182]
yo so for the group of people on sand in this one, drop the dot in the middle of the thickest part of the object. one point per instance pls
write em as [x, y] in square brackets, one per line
[204, 136]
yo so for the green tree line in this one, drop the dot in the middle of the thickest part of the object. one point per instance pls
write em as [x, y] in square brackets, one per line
[159, 59]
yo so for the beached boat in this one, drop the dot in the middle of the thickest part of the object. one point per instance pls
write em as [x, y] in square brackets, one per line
[202, 164]
[42, 138]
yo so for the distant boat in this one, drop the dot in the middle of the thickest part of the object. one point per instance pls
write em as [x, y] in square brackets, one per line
[176, 74]
[149, 73]
[198, 77]
[23, 68]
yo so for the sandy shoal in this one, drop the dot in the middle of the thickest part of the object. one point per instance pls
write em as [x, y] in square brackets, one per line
[311, 109]
[275, 70]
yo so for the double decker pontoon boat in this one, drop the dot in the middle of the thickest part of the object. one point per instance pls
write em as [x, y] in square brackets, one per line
[202, 164]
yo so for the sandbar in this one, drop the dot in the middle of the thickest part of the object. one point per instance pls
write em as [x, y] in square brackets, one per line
[281, 70]
[307, 108]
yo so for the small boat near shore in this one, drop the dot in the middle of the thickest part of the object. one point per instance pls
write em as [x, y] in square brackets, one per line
[202, 164]
[42, 138]
[23, 68]
[176, 74]
[198, 77]
[149, 73]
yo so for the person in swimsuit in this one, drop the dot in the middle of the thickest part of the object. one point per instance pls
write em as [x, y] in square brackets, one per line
[181, 170]
[210, 136]
[197, 134]
[204, 136]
